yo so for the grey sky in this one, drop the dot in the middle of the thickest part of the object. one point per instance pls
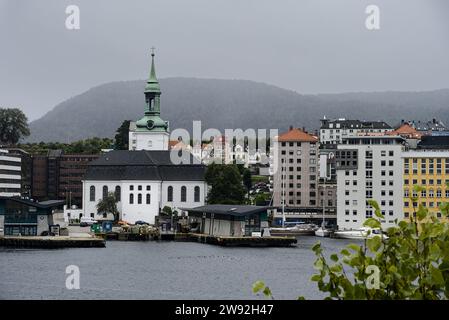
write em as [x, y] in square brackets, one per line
[310, 46]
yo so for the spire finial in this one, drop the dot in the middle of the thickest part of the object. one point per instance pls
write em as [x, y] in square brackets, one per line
[152, 51]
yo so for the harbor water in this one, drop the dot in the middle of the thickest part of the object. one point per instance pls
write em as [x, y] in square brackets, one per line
[162, 270]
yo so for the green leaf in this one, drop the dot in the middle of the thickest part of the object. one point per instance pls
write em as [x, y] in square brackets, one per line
[374, 243]
[345, 252]
[437, 276]
[315, 277]
[334, 257]
[372, 223]
[257, 286]
[354, 247]
[267, 292]
[316, 247]
[421, 213]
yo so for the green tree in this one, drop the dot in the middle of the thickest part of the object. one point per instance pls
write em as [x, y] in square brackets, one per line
[122, 136]
[167, 210]
[226, 184]
[247, 181]
[109, 205]
[13, 126]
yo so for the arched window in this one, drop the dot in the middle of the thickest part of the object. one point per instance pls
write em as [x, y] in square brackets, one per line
[197, 194]
[118, 193]
[170, 194]
[148, 198]
[92, 215]
[131, 198]
[139, 198]
[183, 194]
[105, 191]
[92, 193]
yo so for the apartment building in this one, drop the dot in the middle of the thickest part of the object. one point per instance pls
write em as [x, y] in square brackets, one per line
[369, 168]
[428, 169]
[10, 174]
[334, 131]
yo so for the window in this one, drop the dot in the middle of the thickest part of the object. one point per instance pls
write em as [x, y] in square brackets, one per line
[139, 198]
[196, 195]
[92, 215]
[131, 187]
[170, 194]
[438, 193]
[131, 198]
[139, 188]
[148, 198]
[183, 194]
[105, 191]
[391, 153]
[92, 193]
[148, 188]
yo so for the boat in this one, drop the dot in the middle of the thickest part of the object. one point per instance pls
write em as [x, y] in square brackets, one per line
[297, 230]
[362, 233]
[322, 232]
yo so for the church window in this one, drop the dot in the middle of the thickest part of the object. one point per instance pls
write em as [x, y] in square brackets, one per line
[118, 195]
[148, 198]
[170, 194]
[105, 191]
[92, 193]
[183, 194]
[139, 198]
[197, 194]
[131, 198]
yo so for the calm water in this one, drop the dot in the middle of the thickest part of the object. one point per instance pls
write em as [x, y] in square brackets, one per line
[162, 270]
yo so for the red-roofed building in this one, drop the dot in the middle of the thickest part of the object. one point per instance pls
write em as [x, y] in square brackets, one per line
[295, 171]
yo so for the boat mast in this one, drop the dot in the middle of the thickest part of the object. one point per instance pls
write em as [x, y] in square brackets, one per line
[324, 200]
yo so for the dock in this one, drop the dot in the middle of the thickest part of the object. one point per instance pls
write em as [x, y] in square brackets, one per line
[229, 241]
[51, 242]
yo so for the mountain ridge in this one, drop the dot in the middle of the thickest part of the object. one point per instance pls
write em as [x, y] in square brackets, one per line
[222, 103]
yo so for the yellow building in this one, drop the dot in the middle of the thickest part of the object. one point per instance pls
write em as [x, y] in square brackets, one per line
[428, 169]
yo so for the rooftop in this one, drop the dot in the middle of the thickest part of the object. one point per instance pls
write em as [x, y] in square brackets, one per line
[297, 135]
[228, 209]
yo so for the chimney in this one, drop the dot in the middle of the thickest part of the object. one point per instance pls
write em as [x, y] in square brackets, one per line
[290, 128]
[303, 129]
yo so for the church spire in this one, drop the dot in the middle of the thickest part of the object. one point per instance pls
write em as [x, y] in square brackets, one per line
[152, 82]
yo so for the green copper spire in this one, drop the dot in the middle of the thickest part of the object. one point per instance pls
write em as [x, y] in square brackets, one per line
[152, 120]
[152, 82]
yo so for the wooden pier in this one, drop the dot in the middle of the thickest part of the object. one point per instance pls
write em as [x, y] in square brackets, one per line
[51, 242]
[243, 241]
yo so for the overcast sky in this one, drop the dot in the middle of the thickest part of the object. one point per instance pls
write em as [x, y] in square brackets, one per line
[310, 46]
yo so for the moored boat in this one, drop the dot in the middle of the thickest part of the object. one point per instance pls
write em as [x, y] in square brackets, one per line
[362, 233]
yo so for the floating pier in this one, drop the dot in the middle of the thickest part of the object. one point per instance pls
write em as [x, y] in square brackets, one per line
[51, 242]
[244, 241]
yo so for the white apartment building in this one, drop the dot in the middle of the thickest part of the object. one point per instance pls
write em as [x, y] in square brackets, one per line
[10, 174]
[334, 131]
[369, 168]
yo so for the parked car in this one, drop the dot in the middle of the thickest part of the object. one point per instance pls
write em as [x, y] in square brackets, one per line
[87, 221]
[141, 222]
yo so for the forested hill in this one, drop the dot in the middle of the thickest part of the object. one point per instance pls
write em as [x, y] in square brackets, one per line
[222, 104]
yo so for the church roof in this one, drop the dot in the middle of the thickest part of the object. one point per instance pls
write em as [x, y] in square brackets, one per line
[144, 165]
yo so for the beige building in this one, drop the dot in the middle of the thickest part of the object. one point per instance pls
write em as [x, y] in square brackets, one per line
[296, 173]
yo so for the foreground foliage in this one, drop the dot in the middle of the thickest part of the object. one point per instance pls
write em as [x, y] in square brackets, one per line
[412, 262]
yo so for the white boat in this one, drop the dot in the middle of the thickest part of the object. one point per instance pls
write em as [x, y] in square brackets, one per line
[362, 233]
[322, 232]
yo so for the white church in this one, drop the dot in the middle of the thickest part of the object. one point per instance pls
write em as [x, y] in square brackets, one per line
[143, 178]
